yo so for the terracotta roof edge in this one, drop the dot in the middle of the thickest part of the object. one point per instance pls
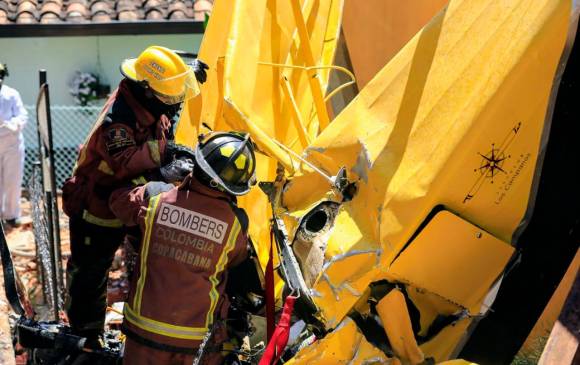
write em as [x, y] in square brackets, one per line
[114, 27]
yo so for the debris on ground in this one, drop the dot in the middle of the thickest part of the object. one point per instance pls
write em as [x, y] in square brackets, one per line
[22, 246]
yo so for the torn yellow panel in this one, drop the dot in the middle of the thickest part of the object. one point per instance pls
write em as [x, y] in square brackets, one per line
[430, 306]
[445, 344]
[345, 345]
[469, 88]
[248, 46]
[350, 265]
[396, 321]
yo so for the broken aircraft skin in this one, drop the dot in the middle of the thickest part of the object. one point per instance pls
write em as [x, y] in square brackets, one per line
[449, 155]
[432, 218]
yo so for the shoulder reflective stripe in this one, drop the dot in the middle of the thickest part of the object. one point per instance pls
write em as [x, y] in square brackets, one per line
[151, 209]
[111, 223]
[164, 329]
[105, 168]
[139, 181]
[154, 151]
[213, 293]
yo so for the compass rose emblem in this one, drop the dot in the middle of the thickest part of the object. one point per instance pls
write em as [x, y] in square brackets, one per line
[492, 163]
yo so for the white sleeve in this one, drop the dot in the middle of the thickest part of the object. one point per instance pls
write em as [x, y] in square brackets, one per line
[19, 114]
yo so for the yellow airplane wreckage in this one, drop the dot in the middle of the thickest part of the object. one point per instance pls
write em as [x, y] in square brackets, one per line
[432, 218]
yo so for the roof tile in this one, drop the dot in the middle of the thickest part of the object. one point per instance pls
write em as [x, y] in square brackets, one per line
[101, 17]
[50, 18]
[78, 11]
[154, 14]
[124, 5]
[4, 17]
[101, 6]
[25, 17]
[178, 10]
[200, 8]
[159, 5]
[52, 7]
[29, 6]
[5, 6]
[128, 15]
[58, 2]
[50, 12]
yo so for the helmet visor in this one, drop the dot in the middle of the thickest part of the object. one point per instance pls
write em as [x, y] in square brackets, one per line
[176, 89]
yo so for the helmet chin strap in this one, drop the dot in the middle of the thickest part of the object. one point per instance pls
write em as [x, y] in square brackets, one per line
[148, 93]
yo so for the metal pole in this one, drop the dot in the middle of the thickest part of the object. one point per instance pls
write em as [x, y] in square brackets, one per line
[51, 201]
[42, 81]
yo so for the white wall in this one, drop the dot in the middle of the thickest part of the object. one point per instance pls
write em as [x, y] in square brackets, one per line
[62, 56]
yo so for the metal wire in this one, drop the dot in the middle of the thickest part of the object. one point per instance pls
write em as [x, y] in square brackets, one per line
[40, 229]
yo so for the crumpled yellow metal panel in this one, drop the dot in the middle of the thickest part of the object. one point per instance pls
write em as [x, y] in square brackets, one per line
[251, 46]
[455, 119]
[205, 107]
[345, 345]
[394, 314]
[450, 263]
[259, 45]
[345, 283]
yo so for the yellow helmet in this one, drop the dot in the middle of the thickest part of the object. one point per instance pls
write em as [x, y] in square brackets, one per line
[164, 72]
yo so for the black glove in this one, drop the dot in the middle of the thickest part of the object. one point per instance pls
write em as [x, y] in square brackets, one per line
[199, 68]
[176, 170]
[174, 151]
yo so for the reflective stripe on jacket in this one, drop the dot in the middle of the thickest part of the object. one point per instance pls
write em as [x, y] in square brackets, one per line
[191, 236]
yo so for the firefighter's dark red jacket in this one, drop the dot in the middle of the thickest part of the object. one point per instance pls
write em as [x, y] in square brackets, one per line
[127, 140]
[192, 235]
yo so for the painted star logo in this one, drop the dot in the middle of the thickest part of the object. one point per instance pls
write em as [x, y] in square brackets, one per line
[492, 163]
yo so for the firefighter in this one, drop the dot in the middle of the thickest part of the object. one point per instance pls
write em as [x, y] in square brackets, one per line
[131, 140]
[13, 117]
[192, 235]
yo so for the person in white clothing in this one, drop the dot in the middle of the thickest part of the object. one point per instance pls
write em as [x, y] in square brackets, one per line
[13, 117]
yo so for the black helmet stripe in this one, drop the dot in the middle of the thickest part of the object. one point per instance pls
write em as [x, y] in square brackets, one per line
[236, 153]
[214, 149]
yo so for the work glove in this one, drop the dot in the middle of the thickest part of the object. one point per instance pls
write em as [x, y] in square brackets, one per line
[174, 151]
[199, 68]
[176, 170]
